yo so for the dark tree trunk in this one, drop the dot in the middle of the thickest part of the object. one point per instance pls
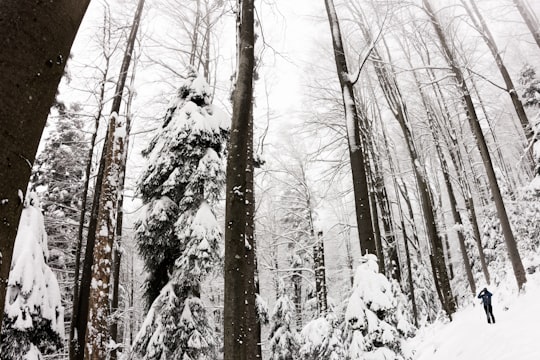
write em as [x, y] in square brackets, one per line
[36, 42]
[237, 345]
[253, 324]
[320, 275]
[511, 245]
[356, 153]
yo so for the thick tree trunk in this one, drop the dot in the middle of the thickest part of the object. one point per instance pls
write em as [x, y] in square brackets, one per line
[253, 325]
[511, 245]
[237, 345]
[356, 153]
[36, 42]
[97, 333]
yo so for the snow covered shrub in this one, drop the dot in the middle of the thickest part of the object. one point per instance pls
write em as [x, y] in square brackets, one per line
[322, 338]
[284, 340]
[179, 238]
[33, 314]
[376, 321]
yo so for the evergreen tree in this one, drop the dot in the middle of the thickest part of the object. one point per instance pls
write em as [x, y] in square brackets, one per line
[179, 239]
[33, 321]
[377, 322]
[531, 99]
[284, 340]
[322, 338]
[58, 177]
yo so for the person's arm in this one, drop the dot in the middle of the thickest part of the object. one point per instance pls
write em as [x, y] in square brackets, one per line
[480, 295]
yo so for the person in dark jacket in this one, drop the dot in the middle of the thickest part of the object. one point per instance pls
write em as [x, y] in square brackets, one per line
[485, 295]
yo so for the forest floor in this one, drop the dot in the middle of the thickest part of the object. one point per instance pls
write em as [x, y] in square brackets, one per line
[514, 336]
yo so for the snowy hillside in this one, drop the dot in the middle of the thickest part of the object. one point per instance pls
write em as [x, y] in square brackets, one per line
[469, 336]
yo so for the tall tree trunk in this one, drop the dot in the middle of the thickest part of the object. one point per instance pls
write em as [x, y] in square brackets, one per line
[483, 29]
[511, 245]
[320, 275]
[530, 19]
[36, 42]
[376, 228]
[237, 342]
[97, 329]
[356, 153]
[97, 334]
[73, 341]
[117, 248]
[253, 324]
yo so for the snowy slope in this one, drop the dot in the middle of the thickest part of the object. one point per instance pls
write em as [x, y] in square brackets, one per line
[515, 336]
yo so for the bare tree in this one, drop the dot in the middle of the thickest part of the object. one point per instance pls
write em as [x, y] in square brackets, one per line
[356, 152]
[511, 245]
[530, 20]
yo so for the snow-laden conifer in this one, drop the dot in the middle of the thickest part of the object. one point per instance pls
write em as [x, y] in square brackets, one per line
[179, 238]
[322, 338]
[284, 340]
[376, 322]
[33, 315]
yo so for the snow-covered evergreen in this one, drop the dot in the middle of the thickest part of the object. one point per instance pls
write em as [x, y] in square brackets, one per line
[179, 238]
[377, 322]
[322, 338]
[33, 315]
[284, 340]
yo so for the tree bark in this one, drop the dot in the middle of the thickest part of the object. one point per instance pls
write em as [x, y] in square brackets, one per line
[320, 275]
[513, 253]
[97, 334]
[356, 153]
[36, 42]
[237, 346]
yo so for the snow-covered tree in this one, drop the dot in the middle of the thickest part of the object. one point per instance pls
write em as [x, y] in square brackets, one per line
[531, 99]
[58, 178]
[284, 340]
[322, 338]
[33, 314]
[179, 238]
[377, 323]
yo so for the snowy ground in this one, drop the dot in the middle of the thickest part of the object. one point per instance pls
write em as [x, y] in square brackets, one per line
[515, 336]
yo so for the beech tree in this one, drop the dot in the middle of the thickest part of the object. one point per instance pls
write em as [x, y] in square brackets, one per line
[240, 343]
[513, 253]
[356, 152]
